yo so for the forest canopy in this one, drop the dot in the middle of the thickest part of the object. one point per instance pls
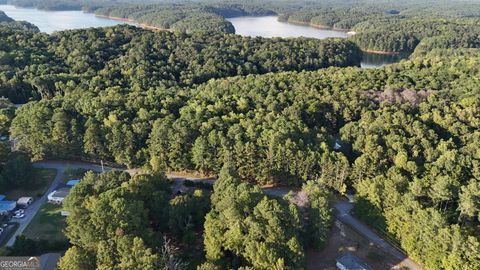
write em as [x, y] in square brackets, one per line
[403, 138]
[407, 130]
[35, 65]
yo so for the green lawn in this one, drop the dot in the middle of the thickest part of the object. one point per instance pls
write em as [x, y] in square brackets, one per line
[42, 180]
[47, 224]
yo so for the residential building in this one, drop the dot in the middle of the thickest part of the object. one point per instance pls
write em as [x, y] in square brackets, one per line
[58, 195]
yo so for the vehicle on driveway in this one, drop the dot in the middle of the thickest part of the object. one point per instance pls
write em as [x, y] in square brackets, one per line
[19, 211]
[19, 216]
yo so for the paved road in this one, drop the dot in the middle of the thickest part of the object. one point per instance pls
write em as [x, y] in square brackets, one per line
[34, 207]
[342, 214]
[37, 204]
[61, 167]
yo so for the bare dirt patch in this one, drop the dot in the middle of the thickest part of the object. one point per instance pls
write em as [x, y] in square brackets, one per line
[343, 239]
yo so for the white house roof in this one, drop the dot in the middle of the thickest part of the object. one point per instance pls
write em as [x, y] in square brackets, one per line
[24, 200]
[59, 193]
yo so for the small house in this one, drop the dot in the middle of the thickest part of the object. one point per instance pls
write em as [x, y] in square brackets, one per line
[58, 195]
[24, 202]
[348, 261]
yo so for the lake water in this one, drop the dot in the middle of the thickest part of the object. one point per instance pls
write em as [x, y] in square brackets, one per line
[269, 26]
[50, 21]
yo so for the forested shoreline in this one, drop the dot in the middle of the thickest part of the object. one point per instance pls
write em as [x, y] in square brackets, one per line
[383, 27]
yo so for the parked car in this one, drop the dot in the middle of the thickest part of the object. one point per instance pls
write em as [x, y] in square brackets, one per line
[19, 211]
[19, 216]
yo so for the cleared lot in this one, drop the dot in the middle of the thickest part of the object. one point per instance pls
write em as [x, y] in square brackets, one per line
[342, 239]
[47, 224]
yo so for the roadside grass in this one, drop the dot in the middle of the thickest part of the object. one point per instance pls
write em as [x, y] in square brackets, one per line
[42, 180]
[48, 224]
[7, 235]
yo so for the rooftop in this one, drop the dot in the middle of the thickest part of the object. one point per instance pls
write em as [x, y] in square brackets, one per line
[61, 192]
[73, 182]
[24, 200]
[2, 197]
[7, 205]
[49, 260]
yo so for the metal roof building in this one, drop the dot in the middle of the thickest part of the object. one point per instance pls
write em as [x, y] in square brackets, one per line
[348, 261]
[7, 206]
[73, 182]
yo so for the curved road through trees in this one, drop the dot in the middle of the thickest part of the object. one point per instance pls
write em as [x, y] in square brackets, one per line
[343, 207]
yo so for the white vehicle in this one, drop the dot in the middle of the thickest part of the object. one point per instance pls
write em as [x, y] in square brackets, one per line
[1, 230]
[19, 211]
[19, 216]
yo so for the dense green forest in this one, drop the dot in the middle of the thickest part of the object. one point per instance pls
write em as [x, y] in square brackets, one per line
[35, 65]
[405, 34]
[273, 111]
[121, 222]
[407, 131]
[180, 18]
[15, 167]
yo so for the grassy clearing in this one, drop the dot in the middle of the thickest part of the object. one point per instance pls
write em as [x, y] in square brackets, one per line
[72, 174]
[48, 224]
[42, 180]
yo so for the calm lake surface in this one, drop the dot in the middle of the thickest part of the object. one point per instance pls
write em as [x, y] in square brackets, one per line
[50, 21]
[269, 26]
